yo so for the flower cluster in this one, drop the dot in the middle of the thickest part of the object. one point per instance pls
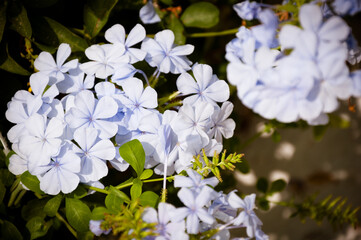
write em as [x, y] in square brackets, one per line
[204, 209]
[290, 72]
[77, 115]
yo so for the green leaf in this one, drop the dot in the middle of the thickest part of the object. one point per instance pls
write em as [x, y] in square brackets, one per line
[7, 63]
[6, 177]
[2, 192]
[278, 186]
[319, 131]
[19, 20]
[276, 136]
[78, 193]
[34, 208]
[38, 227]
[66, 36]
[85, 235]
[263, 204]
[52, 206]
[262, 185]
[98, 213]
[96, 14]
[133, 153]
[167, 2]
[78, 214]
[3, 6]
[146, 174]
[149, 198]
[9, 231]
[31, 182]
[136, 189]
[115, 199]
[174, 24]
[201, 15]
[243, 166]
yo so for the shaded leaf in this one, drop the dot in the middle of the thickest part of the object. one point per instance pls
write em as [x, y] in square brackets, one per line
[66, 36]
[31, 182]
[34, 208]
[19, 20]
[40, 3]
[52, 206]
[7, 63]
[78, 214]
[201, 15]
[38, 227]
[149, 198]
[6, 177]
[2, 192]
[262, 185]
[9, 231]
[3, 6]
[136, 189]
[133, 153]
[319, 131]
[96, 14]
[263, 204]
[174, 24]
[78, 193]
[278, 186]
[85, 235]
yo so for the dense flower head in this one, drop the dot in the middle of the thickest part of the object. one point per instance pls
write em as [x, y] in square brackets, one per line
[305, 79]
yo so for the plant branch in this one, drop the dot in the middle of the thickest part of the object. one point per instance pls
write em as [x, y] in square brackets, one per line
[58, 216]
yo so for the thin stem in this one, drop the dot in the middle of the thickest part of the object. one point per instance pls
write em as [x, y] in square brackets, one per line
[4, 143]
[58, 216]
[213, 34]
[97, 189]
[252, 139]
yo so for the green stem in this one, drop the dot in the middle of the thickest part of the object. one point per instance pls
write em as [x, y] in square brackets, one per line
[58, 216]
[252, 139]
[144, 181]
[213, 34]
[97, 189]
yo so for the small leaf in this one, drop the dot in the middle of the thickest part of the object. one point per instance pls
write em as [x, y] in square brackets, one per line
[319, 131]
[66, 36]
[98, 213]
[85, 235]
[263, 204]
[262, 185]
[78, 214]
[278, 186]
[6, 177]
[19, 19]
[38, 227]
[133, 153]
[243, 166]
[3, 6]
[7, 63]
[34, 208]
[115, 199]
[149, 198]
[78, 193]
[52, 206]
[136, 189]
[96, 14]
[31, 182]
[146, 174]
[276, 136]
[9, 231]
[201, 15]
[2, 192]
[174, 24]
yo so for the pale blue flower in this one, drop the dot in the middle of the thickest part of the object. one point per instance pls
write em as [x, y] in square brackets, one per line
[89, 112]
[93, 152]
[94, 227]
[247, 10]
[237, 48]
[61, 174]
[346, 7]
[164, 227]
[55, 70]
[18, 162]
[43, 139]
[221, 209]
[105, 59]
[356, 80]
[207, 87]
[194, 122]
[194, 211]
[222, 125]
[194, 181]
[75, 82]
[265, 33]
[165, 55]
[148, 14]
[116, 34]
[123, 73]
[247, 217]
